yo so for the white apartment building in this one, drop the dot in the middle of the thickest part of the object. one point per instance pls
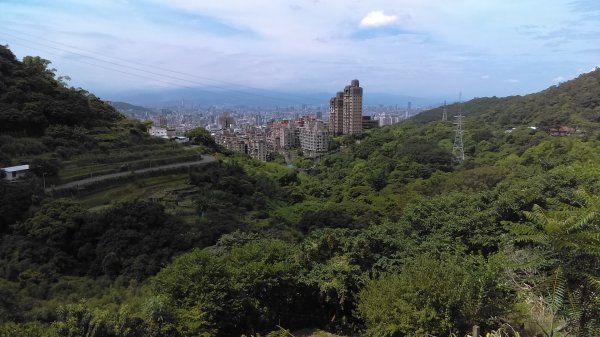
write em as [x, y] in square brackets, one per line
[314, 137]
[257, 149]
[158, 132]
[288, 136]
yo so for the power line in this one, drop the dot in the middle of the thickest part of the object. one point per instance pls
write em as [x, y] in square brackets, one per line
[100, 66]
[114, 57]
[151, 72]
[139, 63]
[226, 93]
[109, 62]
[121, 71]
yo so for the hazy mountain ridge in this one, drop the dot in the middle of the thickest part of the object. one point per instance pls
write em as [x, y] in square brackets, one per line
[256, 97]
[129, 107]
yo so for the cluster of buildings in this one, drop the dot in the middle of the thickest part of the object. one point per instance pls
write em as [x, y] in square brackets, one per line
[308, 133]
[163, 131]
[260, 133]
[172, 134]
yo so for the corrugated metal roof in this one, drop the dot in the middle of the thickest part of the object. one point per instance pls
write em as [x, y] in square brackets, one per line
[16, 168]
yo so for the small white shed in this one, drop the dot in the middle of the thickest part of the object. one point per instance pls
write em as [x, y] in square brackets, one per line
[15, 172]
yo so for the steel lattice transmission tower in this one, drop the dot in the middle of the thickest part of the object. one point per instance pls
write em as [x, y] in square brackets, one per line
[444, 113]
[458, 150]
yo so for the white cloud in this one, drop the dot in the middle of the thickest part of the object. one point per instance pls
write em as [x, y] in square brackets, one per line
[558, 79]
[512, 80]
[311, 47]
[377, 19]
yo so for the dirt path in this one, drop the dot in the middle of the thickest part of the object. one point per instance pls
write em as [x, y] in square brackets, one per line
[80, 183]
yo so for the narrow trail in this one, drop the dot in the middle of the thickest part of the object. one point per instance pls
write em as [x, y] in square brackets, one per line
[80, 183]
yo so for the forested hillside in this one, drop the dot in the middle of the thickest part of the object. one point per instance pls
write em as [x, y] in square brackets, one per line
[574, 103]
[388, 236]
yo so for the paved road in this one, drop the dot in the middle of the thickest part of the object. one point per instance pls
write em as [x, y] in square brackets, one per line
[79, 183]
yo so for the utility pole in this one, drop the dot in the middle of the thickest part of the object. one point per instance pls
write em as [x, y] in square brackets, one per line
[458, 150]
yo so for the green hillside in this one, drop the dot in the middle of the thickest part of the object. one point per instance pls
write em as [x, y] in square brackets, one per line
[573, 103]
[387, 236]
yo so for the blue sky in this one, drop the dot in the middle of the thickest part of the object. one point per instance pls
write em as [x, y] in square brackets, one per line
[427, 48]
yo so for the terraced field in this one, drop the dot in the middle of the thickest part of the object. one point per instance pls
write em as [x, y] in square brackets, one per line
[172, 190]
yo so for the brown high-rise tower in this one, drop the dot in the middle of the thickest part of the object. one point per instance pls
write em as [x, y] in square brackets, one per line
[345, 111]
[336, 110]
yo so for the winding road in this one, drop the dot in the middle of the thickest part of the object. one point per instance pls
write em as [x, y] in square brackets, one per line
[81, 183]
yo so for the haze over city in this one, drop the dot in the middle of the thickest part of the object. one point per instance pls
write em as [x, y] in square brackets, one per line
[414, 48]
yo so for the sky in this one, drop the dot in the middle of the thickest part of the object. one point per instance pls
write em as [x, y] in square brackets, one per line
[424, 48]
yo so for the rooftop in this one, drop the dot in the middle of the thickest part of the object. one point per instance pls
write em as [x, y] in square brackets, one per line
[16, 168]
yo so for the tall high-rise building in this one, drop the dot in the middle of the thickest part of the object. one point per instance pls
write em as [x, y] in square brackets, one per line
[336, 107]
[345, 111]
[352, 124]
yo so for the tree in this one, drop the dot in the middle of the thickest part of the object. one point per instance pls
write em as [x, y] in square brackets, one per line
[201, 136]
[264, 275]
[434, 296]
[10, 301]
[198, 282]
[15, 200]
[43, 167]
[29, 329]
[569, 240]
[54, 223]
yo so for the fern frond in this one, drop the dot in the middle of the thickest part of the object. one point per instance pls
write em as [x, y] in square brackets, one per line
[593, 280]
[558, 289]
[537, 215]
[583, 222]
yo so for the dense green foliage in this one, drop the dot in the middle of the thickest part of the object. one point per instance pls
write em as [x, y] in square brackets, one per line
[388, 236]
[31, 99]
[434, 295]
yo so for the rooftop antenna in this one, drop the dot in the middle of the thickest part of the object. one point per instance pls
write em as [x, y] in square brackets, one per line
[444, 113]
[458, 150]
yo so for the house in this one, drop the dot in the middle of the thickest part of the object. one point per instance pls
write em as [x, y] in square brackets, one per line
[180, 139]
[562, 131]
[158, 132]
[15, 172]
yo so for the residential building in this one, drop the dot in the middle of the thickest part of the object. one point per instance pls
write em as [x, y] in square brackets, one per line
[225, 121]
[181, 139]
[257, 149]
[158, 132]
[345, 111]
[314, 137]
[288, 137]
[336, 107]
[369, 123]
[352, 111]
[387, 119]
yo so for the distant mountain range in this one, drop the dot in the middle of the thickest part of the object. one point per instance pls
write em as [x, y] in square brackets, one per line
[254, 97]
[122, 106]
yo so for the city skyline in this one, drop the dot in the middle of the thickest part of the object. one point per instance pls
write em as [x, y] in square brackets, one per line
[418, 48]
